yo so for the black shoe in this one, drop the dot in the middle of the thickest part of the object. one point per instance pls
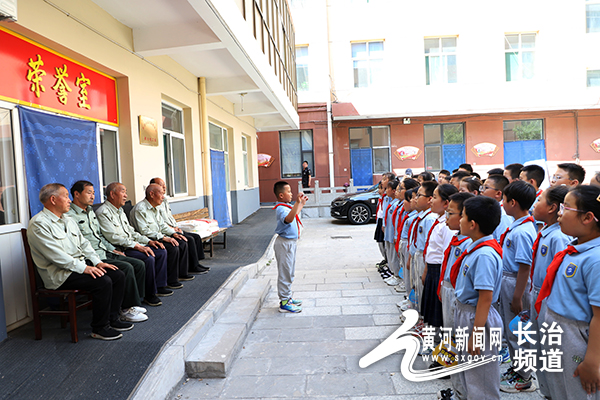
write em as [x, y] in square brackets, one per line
[186, 278]
[198, 272]
[203, 268]
[153, 301]
[107, 333]
[445, 394]
[435, 365]
[176, 285]
[121, 326]
[164, 292]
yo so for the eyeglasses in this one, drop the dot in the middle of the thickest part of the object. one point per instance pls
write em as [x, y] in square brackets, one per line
[563, 208]
[484, 188]
[557, 177]
[448, 214]
[421, 195]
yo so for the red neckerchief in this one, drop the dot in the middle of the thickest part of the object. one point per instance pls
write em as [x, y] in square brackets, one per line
[398, 207]
[456, 266]
[386, 212]
[379, 203]
[551, 274]
[418, 220]
[538, 193]
[437, 221]
[453, 243]
[400, 227]
[536, 244]
[298, 222]
[528, 219]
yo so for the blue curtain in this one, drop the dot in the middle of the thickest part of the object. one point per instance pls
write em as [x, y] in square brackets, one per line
[57, 149]
[454, 155]
[523, 151]
[219, 188]
[362, 166]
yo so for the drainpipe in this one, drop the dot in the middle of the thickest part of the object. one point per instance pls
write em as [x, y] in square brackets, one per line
[329, 113]
[576, 156]
[205, 139]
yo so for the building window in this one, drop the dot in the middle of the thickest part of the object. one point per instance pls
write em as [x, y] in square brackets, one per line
[523, 130]
[367, 60]
[519, 56]
[592, 16]
[440, 60]
[524, 141]
[296, 147]
[9, 206]
[174, 140]
[376, 138]
[219, 142]
[302, 67]
[593, 78]
[245, 160]
[444, 146]
[109, 155]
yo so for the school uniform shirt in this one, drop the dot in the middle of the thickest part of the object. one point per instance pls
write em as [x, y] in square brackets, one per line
[518, 245]
[411, 217]
[380, 208]
[412, 244]
[424, 228]
[537, 198]
[480, 270]
[283, 229]
[551, 242]
[455, 252]
[399, 216]
[388, 232]
[576, 287]
[505, 221]
[439, 240]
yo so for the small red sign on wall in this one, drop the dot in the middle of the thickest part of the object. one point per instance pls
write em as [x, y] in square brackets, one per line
[36, 76]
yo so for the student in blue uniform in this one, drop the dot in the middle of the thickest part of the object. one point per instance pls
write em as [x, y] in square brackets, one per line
[493, 187]
[517, 243]
[388, 233]
[410, 204]
[402, 211]
[477, 276]
[573, 301]
[550, 240]
[381, 205]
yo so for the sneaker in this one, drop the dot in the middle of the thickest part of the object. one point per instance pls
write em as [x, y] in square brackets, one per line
[152, 300]
[507, 375]
[289, 307]
[400, 288]
[187, 278]
[505, 354]
[445, 394]
[392, 281]
[131, 315]
[164, 292]
[518, 384]
[295, 302]
[140, 309]
[436, 365]
[107, 333]
[176, 285]
[381, 263]
[121, 326]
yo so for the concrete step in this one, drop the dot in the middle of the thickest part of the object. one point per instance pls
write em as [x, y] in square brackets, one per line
[215, 352]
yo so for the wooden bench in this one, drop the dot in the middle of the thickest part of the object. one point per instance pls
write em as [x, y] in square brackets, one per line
[203, 214]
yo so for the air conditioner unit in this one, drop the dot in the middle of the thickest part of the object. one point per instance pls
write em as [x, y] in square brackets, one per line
[8, 10]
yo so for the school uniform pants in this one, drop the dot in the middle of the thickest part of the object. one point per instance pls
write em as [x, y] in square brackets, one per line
[536, 324]
[156, 268]
[482, 382]
[135, 278]
[509, 282]
[285, 254]
[448, 306]
[574, 343]
[392, 257]
[107, 294]
[177, 261]
[418, 272]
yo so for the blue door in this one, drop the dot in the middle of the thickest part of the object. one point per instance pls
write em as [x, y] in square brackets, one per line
[453, 155]
[219, 188]
[523, 151]
[361, 161]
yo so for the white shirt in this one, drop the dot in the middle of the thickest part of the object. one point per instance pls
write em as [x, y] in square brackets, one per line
[439, 241]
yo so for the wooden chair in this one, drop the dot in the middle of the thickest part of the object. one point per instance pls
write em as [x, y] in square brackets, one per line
[67, 298]
[203, 214]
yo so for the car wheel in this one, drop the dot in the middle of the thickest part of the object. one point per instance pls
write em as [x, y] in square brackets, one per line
[359, 214]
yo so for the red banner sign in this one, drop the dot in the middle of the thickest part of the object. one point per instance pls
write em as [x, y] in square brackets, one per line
[36, 76]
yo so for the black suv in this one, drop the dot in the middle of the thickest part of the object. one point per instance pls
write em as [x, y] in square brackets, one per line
[358, 208]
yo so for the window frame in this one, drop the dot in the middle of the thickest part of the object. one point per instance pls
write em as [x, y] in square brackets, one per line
[441, 144]
[522, 120]
[115, 129]
[246, 160]
[311, 165]
[19, 162]
[225, 150]
[587, 77]
[520, 53]
[304, 66]
[168, 136]
[368, 60]
[444, 56]
[587, 3]
[373, 148]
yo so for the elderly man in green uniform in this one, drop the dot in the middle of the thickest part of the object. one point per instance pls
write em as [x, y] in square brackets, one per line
[194, 240]
[135, 271]
[146, 219]
[66, 260]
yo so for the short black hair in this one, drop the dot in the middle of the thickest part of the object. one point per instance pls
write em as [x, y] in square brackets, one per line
[496, 171]
[393, 184]
[427, 176]
[500, 181]
[410, 183]
[556, 195]
[466, 166]
[408, 195]
[460, 197]
[514, 170]
[575, 171]
[485, 211]
[429, 187]
[446, 190]
[79, 186]
[534, 172]
[304, 162]
[476, 175]
[522, 192]
[473, 184]
[389, 175]
[587, 199]
[445, 172]
[278, 187]
[460, 175]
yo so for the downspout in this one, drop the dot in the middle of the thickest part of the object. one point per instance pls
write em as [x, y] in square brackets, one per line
[576, 156]
[205, 139]
[329, 106]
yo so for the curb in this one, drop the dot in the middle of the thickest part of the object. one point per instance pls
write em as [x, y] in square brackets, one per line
[167, 369]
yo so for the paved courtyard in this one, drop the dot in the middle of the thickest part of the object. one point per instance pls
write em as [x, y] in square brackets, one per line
[348, 310]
